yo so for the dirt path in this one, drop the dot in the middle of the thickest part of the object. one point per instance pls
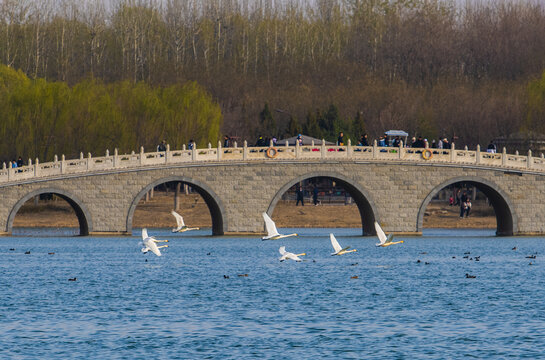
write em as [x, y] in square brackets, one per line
[156, 213]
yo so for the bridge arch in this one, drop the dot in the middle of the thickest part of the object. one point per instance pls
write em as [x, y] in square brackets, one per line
[215, 206]
[506, 220]
[82, 213]
[366, 206]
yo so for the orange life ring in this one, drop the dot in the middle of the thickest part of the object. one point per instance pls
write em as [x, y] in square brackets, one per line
[427, 154]
[272, 152]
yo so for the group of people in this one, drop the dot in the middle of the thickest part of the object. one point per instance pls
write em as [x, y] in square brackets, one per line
[464, 200]
[300, 196]
[17, 163]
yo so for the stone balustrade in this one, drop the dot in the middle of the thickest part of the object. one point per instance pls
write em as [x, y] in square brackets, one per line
[315, 152]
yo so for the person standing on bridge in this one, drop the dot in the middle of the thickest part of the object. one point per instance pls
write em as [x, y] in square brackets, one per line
[162, 146]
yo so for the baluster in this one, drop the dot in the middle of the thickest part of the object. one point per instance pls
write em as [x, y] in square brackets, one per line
[349, 149]
[245, 150]
[504, 156]
[478, 154]
[220, 150]
[530, 160]
[63, 164]
[375, 152]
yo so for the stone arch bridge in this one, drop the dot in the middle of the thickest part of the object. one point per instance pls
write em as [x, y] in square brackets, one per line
[389, 185]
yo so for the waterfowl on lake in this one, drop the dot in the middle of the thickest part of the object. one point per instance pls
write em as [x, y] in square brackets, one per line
[272, 232]
[181, 226]
[337, 247]
[470, 276]
[385, 240]
[289, 256]
[150, 243]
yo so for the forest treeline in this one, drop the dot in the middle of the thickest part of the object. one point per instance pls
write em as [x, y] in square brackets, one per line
[430, 67]
[40, 118]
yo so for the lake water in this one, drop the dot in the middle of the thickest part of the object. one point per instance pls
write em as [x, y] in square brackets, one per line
[180, 306]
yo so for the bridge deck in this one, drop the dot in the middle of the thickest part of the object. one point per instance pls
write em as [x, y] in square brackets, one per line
[319, 152]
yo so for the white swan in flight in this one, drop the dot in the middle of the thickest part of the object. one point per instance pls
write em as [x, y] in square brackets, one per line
[181, 226]
[337, 247]
[272, 233]
[385, 241]
[289, 256]
[150, 243]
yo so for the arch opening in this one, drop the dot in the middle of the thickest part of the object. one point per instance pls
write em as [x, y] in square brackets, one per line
[50, 208]
[488, 206]
[341, 203]
[153, 204]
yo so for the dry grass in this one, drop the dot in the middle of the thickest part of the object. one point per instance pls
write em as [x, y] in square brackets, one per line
[156, 213]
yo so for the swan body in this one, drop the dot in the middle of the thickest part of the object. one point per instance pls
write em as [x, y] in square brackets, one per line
[338, 249]
[180, 224]
[385, 240]
[288, 256]
[272, 232]
[150, 243]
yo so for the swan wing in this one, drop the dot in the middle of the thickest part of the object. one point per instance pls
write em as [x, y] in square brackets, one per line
[179, 219]
[389, 238]
[144, 234]
[282, 250]
[335, 243]
[270, 226]
[150, 244]
[380, 234]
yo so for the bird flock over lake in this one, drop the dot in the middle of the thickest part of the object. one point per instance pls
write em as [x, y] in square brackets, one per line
[149, 243]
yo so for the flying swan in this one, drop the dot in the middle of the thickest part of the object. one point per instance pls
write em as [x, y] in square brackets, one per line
[272, 233]
[337, 247]
[288, 256]
[385, 241]
[181, 226]
[150, 243]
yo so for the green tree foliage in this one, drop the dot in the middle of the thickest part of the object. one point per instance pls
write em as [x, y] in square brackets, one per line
[535, 115]
[41, 118]
[357, 128]
[268, 124]
[294, 128]
[312, 128]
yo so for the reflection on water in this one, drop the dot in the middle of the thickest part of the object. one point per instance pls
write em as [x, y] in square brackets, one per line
[181, 306]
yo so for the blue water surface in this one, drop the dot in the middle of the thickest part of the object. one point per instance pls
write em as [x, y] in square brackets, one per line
[180, 305]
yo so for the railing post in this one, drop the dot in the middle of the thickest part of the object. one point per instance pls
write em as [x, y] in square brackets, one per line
[504, 156]
[116, 159]
[63, 164]
[220, 150]
[517, 152]
[81, 155]
[141, 155]
[10, 171]
[349, 149]
[452, 153]
[245, 150]
[167, 154]
[194, 152]
[107, 153]
[478, 154]
[89, 164]
[55, 158]
[37, 167]
[323, 149]
[311, 143]
[530, 160]
[235, 145]
[375, 149]
[297, 150]
[271, 143]
[401, 149]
